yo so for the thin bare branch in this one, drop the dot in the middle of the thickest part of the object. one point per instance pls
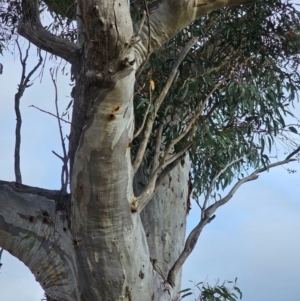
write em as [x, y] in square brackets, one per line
[157, 103]
[142, 23]
[188, 248]
[58, 156]
[66, 121]
[65, 158]
[24, 83]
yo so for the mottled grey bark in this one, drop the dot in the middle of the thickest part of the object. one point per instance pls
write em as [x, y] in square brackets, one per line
[33, 231]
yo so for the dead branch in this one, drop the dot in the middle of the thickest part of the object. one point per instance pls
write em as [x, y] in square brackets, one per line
[66, 121]
[24, 83]
[65, 158]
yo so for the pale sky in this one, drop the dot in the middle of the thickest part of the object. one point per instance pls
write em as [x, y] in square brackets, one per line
[256, 237]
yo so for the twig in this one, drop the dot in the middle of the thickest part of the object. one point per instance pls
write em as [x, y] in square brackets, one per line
[212, 208]
[24, 83]
[66, 121]
[57, 155]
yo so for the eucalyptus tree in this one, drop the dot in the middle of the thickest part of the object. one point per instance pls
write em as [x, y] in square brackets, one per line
[171, 99]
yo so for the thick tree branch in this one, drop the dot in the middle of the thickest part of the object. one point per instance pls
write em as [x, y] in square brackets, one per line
[207, 196]
[212, 208]
[208, 216]
[47, 193]
[173, 16]
[30, 28]
[32, 231]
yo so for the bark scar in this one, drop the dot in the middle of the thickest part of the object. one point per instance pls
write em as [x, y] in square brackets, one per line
[112, 114]
[128, 293]
[188, 201]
